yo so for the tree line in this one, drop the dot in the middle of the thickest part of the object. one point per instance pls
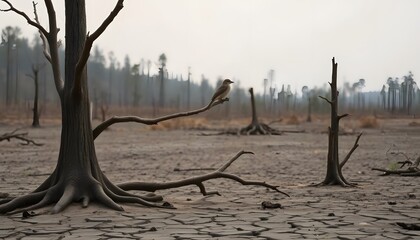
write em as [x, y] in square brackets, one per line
[131, 85]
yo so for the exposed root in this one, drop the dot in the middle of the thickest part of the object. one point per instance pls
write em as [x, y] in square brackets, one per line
[23, 201]
[259, 129]
[65, 194]
[198, 180]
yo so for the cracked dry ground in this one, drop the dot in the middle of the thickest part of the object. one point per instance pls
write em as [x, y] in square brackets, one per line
[293, 161]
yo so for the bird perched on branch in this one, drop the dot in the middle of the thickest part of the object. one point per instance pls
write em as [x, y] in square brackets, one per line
[222, 91]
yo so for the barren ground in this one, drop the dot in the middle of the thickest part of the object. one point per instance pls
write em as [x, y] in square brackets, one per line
[292, 161]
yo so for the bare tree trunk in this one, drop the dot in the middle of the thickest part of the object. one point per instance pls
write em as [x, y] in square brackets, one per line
[334, 174]
[162, 88]
[35, 119]
[254, 110]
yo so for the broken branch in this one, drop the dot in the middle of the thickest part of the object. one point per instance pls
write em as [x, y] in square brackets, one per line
[24, 15]
[198, 180]
[356, 144]
[43, 37]
[326, 99]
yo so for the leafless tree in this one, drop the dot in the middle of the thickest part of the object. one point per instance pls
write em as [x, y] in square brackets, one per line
[78, 176]
[36, 112]
[334, 167]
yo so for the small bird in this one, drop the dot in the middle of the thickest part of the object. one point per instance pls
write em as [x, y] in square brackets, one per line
[222, 91]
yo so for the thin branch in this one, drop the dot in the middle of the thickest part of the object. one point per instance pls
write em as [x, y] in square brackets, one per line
[356, 144]
[226, 165]
[53, 43]
[198, 180]
[326, 99]
[43, 37]
[51, 38]
[30, 22]
[20, 136]
[150, 121]
[342, 116]
[89, 42]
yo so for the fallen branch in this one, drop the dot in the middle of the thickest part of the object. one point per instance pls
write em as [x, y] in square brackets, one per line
[413, 169]
[20, 136]
[199, 180]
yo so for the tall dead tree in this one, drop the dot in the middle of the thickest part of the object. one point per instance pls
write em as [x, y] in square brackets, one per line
[35, 109]
[77, 176]
[334, 167]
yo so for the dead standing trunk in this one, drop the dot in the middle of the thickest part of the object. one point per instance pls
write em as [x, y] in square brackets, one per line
[35, 117]
[334, 174]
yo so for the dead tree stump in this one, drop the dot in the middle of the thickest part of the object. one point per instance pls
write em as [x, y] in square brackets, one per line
[255, 127]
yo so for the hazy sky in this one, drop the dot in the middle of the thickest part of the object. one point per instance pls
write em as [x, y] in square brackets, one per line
[244, 39]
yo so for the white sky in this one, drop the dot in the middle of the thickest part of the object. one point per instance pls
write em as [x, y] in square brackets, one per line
[244, 39]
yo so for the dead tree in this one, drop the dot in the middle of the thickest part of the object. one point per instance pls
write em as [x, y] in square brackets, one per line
[255, 127]
[20, 136]
[35, 109]
[78, 176]
[334, 167]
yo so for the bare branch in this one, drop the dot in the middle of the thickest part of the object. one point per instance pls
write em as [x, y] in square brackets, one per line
[356, 144]
[13, 9]
[325, 99]
[20, 136]
[53, 43]
[224, 167]
[89, 42]
[198, 180]
[150, 121]
[43, 37]
[342, 116]
[50, 37]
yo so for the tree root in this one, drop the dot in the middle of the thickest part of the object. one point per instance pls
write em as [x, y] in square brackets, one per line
[20, 136]
[103, 191]
[198, 180]
[259, 129]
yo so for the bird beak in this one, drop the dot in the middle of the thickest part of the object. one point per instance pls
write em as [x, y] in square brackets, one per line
[231, 81]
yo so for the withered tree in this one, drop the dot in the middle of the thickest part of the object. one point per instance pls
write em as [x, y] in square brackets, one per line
[256, 127]
[35, 109]
[77, 176]
[334, 166]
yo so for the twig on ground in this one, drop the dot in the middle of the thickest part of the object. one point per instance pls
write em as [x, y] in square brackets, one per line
[20, 136]
[198, 180]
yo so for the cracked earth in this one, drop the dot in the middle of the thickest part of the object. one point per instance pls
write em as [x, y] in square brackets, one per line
[292, 161]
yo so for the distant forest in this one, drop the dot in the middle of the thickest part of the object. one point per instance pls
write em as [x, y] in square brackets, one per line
[129, 87]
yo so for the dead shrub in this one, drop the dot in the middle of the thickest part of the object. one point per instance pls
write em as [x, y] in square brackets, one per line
[292, 120]
[368, 122]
